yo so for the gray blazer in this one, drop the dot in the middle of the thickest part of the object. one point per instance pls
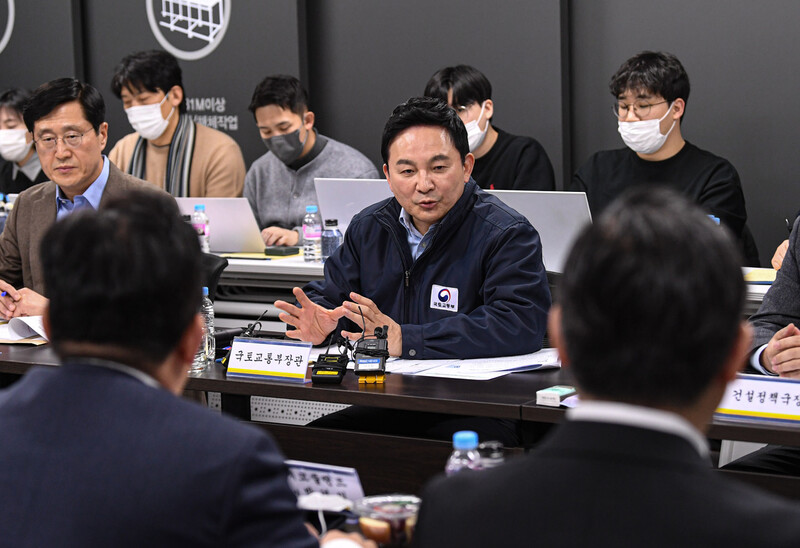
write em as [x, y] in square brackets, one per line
[781, 305]
[34, 211]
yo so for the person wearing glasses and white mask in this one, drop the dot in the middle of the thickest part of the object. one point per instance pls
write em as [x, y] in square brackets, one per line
[22, 168]
[650, 93]
[168, 148]
[67, 120]
[502, 161]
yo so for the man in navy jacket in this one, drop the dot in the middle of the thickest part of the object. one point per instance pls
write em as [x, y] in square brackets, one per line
[100, 451]
[451, 270]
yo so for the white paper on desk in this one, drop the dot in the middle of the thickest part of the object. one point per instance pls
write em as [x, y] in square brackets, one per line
[478, 368]
[453, 371]
[22, 327]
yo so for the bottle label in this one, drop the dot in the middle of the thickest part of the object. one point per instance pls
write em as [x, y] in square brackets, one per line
[311, 232]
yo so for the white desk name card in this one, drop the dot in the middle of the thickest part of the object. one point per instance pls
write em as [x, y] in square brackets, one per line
[276, 360]
[760, 397]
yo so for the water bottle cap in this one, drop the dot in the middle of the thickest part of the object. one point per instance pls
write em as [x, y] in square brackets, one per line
[200, 207]
[311, 209]
[332, 222]
[205, 291]
[465, 440]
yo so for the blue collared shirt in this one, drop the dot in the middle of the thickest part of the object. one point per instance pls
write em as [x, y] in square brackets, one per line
[90, 197]
[416, 241]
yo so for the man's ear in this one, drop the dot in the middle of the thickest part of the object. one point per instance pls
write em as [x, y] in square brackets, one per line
[678, 108]
[740, 351]
[175, 96]
[308, 120]
[555, 335]
[488, 110]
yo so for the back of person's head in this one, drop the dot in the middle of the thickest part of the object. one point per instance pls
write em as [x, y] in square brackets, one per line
[126, 277]
[425, 111]
[153, 70]
[15, 99]
[47, 97]
[282, 90]
[469, 85]
[651, 300]
[658, 73]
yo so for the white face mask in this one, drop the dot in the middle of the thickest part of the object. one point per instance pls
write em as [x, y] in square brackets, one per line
[147, 119]
[474, 133]
[645, 136]
[13, 146]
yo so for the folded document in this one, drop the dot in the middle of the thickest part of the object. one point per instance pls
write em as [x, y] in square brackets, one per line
[24, 329]
[477, 368]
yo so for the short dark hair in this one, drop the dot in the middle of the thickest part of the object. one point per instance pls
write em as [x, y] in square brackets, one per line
[469, 85]
[126, 276]
[282, 90]
[652, 297]
[425, 111]
[15, 99]
[47, 97]
[659, 73]
[153, 70]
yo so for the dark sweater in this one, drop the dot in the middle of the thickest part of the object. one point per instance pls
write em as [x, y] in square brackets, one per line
[514, 163]
[710, 181]
[11, 185]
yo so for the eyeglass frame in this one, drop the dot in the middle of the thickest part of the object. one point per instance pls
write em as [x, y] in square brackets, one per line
[55, 140]
[615, 109]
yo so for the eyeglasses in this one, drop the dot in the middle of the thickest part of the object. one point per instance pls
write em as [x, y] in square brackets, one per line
[72, 140]
[640, 108]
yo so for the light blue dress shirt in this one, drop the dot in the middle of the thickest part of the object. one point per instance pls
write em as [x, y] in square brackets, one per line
[416, 241]
[90, 197]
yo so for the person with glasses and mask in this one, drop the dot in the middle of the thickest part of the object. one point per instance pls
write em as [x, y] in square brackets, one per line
[502, 161]
[650, 92]
[22, 168]
[168, 148]
[67, 120]
[280, 184]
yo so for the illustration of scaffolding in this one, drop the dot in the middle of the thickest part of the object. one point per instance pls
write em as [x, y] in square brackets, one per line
[202, 19]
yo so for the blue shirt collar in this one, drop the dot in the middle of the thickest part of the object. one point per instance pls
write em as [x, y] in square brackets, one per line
[415, 237]
[90, 197]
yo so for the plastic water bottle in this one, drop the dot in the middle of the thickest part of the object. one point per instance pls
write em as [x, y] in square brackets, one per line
[312, 235]
[492, 454]
[465, 454]
[207, 350]
[331, 238]
[200, 225]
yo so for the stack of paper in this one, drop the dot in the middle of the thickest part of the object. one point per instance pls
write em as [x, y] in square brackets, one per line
[478, 368]
[23, 330]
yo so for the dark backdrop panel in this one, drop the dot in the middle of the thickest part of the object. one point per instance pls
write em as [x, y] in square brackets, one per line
[365, 57]
[261, 38]
[42, 44]
[741, 57]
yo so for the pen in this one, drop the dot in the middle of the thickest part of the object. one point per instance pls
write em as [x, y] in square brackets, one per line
[788, 227]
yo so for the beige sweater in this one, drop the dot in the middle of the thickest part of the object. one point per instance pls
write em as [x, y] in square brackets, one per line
[217, 164]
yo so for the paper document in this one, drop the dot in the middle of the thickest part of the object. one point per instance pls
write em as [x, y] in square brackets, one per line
[478, 368]
[24, 329]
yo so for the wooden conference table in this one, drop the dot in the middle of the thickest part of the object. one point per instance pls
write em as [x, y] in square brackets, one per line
[391, 463]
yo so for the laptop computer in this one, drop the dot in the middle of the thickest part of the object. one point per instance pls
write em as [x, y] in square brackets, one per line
[341, 199]
[233, 228]
[557, 216]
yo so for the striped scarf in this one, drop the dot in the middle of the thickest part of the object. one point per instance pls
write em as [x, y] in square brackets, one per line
[179, 161]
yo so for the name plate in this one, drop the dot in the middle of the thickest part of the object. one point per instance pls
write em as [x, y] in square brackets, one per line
[271, 359]
[760, 397]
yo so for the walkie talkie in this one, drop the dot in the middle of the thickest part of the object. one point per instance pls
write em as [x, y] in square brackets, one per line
[330, 368]
[370, 357]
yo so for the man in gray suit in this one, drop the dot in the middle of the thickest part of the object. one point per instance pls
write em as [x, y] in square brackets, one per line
[67, 120]
[776, 340]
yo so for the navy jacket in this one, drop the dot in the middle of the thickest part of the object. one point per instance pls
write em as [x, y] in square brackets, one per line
[485, 257]
[91, 456]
